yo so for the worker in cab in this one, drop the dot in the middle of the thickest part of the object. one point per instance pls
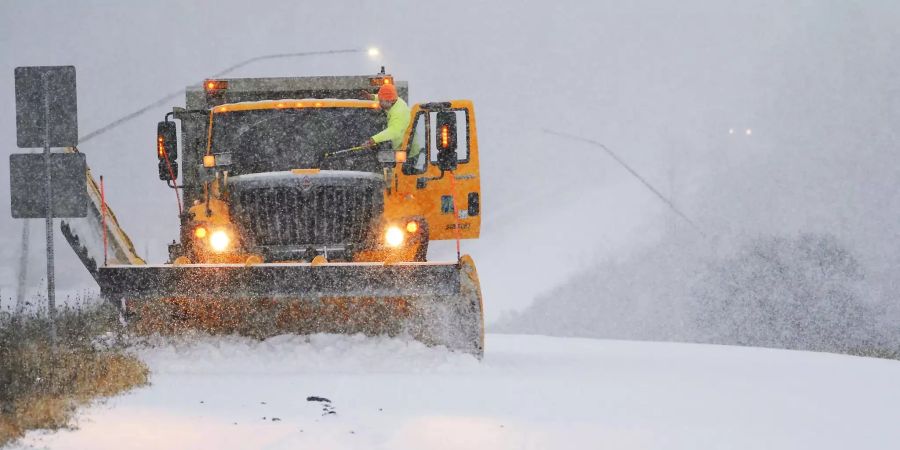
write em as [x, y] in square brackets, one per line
[397, 114]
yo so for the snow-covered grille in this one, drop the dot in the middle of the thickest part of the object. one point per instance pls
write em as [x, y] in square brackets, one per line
[318, 215]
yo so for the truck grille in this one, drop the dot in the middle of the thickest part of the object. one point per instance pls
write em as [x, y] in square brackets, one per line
[319, 215]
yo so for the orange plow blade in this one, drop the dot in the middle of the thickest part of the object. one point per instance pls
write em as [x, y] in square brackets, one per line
[438, 304]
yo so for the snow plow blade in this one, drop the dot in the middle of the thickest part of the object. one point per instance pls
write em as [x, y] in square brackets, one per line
[436, 303]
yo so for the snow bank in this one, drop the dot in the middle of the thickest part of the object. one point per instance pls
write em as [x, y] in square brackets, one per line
[529, 392]
[292, 354]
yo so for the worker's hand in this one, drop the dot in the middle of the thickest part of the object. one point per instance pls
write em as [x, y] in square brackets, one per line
[368, 144]
[364, 94]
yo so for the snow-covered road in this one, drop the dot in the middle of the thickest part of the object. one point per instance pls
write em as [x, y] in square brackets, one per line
[530, 392]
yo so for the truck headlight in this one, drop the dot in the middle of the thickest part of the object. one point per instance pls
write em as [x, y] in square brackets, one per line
[219, 241]
[393, 236]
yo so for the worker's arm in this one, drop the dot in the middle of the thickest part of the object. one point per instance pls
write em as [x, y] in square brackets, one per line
[397, 122]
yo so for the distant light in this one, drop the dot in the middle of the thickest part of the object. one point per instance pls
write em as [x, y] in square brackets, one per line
[374, 52]
[731, 131]
[749, 132]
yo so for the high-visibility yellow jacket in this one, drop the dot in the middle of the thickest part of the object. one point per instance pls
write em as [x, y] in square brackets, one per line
[398, 121]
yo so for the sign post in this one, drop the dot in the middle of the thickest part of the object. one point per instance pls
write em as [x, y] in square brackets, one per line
[46, 116]
[48, 222]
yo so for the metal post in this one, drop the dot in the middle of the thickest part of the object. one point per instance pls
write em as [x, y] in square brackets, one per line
[22, 285]
[51, 294]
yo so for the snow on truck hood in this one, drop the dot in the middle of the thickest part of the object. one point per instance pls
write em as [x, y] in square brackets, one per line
[296, 103]
[313, 173]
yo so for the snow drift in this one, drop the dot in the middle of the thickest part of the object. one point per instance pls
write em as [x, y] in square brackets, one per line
[529, 392]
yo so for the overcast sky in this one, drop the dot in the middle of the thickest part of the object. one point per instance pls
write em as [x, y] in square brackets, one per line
[662, 83]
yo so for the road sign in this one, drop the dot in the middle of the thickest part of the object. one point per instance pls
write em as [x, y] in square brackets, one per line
[58, 83]
[47, 116]
[28, 185]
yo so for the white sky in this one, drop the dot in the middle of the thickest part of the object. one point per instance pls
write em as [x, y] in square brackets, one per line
[660, 82]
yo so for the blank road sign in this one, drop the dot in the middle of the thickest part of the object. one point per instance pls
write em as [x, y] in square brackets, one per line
[28, 185]
[60, 89]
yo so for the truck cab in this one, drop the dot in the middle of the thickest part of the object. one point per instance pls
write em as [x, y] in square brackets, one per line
[272, 173]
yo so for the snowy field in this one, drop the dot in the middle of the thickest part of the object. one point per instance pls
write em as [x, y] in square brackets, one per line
[530, 392]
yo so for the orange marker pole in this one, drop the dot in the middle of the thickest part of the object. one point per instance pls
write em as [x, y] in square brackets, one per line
[103, 217]
[174, 183]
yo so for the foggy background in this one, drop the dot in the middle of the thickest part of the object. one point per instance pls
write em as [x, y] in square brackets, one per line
[772, 125]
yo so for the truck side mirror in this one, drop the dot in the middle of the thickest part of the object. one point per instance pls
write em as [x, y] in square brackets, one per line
[385, 153]
[445, 135]
[167, 150]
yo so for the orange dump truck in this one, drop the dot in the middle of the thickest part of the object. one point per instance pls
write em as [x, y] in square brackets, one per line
[282, 232]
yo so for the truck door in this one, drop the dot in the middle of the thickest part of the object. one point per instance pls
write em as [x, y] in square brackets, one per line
[448, 200]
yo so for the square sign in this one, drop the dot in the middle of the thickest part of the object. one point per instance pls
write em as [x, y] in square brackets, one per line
[58, 84]
[28, 185]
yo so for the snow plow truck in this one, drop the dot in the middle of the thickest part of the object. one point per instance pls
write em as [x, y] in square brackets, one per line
[287, 227]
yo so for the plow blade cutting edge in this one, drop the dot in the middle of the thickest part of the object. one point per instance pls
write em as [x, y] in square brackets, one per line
[436, 303]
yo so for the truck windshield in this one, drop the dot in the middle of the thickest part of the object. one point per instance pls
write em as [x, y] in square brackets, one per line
[271, 140]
